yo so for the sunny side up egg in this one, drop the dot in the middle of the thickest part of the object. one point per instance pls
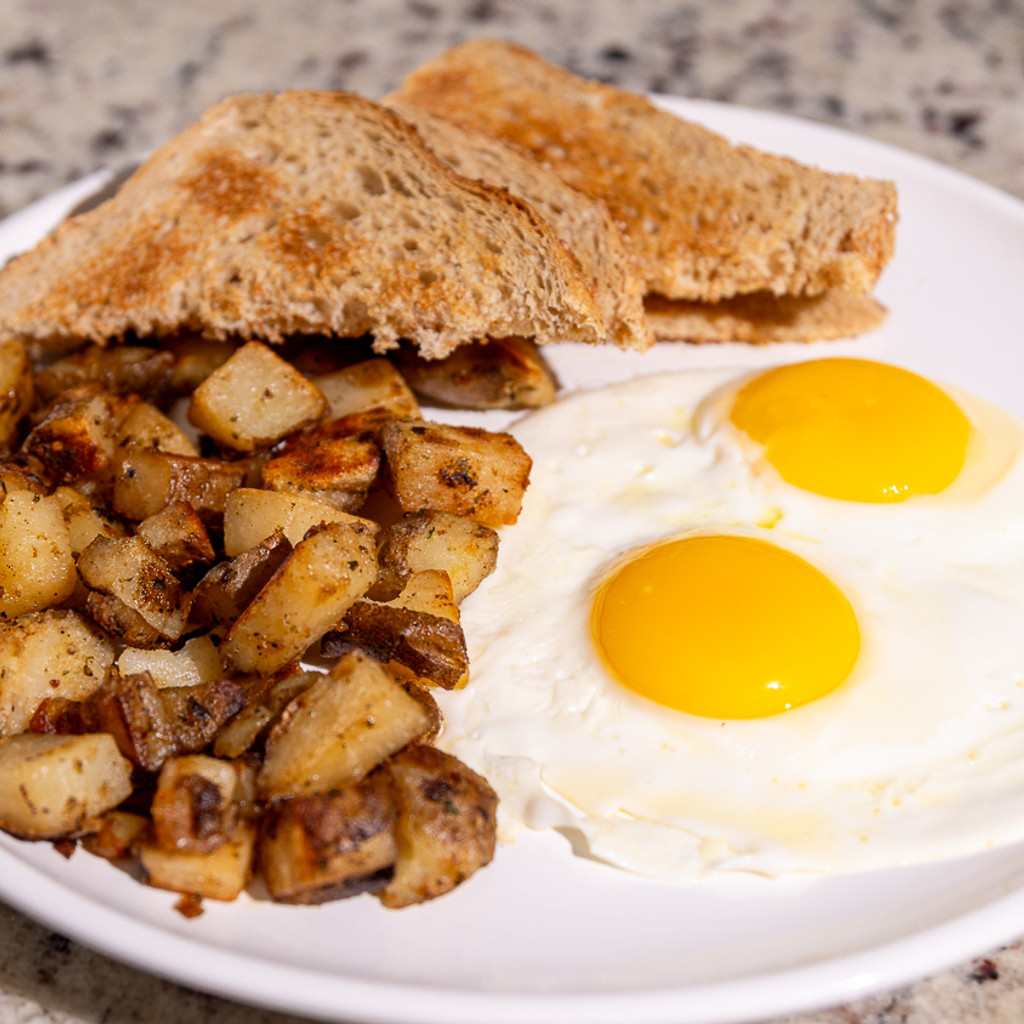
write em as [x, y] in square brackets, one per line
[697, 655]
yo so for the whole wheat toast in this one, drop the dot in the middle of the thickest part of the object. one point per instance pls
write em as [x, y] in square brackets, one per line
[707, 219]
[302, 212]
[761, 318]
[583, 224]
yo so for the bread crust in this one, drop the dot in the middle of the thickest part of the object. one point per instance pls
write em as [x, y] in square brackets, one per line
[707, 219]
[300, 212]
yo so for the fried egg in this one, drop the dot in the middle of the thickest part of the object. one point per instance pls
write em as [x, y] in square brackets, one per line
[766, 624]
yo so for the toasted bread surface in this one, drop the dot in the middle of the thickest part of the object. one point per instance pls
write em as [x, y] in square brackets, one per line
[707, 219]
[300, 212]
[762, 318]
[583, 224]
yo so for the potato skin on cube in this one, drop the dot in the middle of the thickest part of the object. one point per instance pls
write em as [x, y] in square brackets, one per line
[445, 828]
[463, 470]
[466, 550]
[254, 399]
[313, 588]
[56, 787]
[329, 846]
[194, 808]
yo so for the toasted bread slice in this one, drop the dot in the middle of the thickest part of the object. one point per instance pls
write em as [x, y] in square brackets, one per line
[707, 219]
[762, 318]
[303, 212]
[583, 224]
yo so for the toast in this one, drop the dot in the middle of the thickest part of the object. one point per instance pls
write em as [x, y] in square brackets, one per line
[761, 318]
[296, 213]
[707, 220]
[583, 224]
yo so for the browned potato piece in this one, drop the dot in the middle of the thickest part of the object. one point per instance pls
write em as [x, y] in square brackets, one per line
[502, 373]
[15, 477]
[150, 480]
[308, 594]
[150, 725]
[254, 399]
[177, 534]
[252, 515]
[419, 631]
[229, 587]
[56, 787]
[242, 731]
[117, 833]
[463, 470]
[340, 470]
[78, 437]
[195, 358]
[194, 807]
[372, 384]
[445, 826]
[339, 730]
[465, 550]
[17, 391]
[128, 569]
[313, 849]
[221, 874]
[86, 520]
[48, 654]
[124, 369]
[37, 567]
[197, 661]
[147, 427]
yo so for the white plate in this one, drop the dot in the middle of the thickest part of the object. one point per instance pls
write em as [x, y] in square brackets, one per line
[541, 935]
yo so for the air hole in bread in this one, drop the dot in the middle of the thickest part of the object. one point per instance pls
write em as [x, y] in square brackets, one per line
[346, 211]
[398, 185]
[410, 245]
[373, 183]
[428, 277]
[457, 205]
[316, 236]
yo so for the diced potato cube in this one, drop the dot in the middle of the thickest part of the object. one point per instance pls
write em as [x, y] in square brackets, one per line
[37, 567]
[501, 373]
[128, 569]
[371, 384]
[177, 534]
[77, 438]
[445, 826]
[221, 874]
[463, 470]
[467, 551]
[55, 787]
[53, 653]
[151, 480]
[313, 849]
[336, 466]
[85, 520]
[117, 833]
[252, 515]
[194, 806]
[418, 634]
[315, 586]
[254, 399]
[198, 661]
[122, 369]
[16, 390]
[339, 730]
[230, 587]
[147, 427]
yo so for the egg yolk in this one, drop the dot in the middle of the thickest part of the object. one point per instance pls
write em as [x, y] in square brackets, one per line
[855, 429]
[724, 626]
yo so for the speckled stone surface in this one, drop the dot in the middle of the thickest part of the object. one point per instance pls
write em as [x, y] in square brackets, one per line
[88, 85]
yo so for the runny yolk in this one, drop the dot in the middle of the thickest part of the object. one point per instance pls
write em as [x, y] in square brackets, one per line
[724, 626]
[854, 429]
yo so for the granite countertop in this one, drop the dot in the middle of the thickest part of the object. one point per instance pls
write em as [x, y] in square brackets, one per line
[89, 85]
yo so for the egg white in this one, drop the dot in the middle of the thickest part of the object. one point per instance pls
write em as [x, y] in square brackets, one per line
[918, 756]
